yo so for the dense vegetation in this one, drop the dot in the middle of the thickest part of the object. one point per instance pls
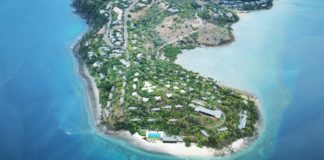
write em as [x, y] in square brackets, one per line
[171, 52]
[90, 10]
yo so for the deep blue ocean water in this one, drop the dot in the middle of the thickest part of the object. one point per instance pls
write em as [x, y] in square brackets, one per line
[43, 100]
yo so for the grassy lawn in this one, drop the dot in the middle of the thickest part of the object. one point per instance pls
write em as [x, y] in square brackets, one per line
[210, 122]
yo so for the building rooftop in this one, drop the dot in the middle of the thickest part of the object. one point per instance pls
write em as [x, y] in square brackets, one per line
[204, 133]
[101, 76]
[243, 119]
[132, 108]
[172, 139]
[169, 139]
[135, 119]
[151, 120]
[173, 120]
[155, 109]
[215, 113]
[179, 106]
[222, 129]
[167, 107]
[125, 63]
[96, 64]
[198, 102]
[145, 99]
[134, 94]
[169, 95]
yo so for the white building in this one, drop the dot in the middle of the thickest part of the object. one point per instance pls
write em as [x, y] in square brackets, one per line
[215, 113]
[125, 63]
[96, 64]
[243, 119]
[119, 12]
[145, 99]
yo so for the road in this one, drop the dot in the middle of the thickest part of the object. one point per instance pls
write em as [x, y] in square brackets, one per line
[125, 28]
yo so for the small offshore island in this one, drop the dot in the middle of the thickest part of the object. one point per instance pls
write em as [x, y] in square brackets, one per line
[137, 91]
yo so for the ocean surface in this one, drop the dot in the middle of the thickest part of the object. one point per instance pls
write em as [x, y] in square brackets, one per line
[278, 55]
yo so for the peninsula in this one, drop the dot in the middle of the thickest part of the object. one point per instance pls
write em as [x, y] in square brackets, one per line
[140, 94]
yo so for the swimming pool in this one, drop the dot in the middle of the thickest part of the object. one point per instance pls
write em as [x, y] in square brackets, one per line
[154, 135]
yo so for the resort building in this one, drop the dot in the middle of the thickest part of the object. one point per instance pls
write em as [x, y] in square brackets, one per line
[173, 120]
[101, 76]
[155, 109]
[223, 129]
[243, 119]
[151, 120]
[215, 113]
[90, 54]
[169, 95]
[172, 10]
[132, 108]
[110, 96]
[198, 102]
[167, 107]
[96, 64]
[179, 106]
[148, 87]
[119, 12]
[125, 63]
[204, 133]
[192, 105]
[172, 139]
[135, 119]
[145, 99]
[135, 94]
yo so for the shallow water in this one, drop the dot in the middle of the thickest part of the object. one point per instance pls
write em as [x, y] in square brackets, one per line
[43, 101]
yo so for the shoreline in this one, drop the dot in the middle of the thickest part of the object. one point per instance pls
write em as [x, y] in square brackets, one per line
[92, 90]
[178, 149]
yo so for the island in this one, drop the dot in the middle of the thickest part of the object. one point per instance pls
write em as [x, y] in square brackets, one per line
[137, 91]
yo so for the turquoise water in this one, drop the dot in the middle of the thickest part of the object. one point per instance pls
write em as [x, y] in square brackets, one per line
[278, 56]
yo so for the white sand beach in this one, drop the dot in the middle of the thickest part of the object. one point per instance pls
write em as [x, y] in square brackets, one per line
[179, 149]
